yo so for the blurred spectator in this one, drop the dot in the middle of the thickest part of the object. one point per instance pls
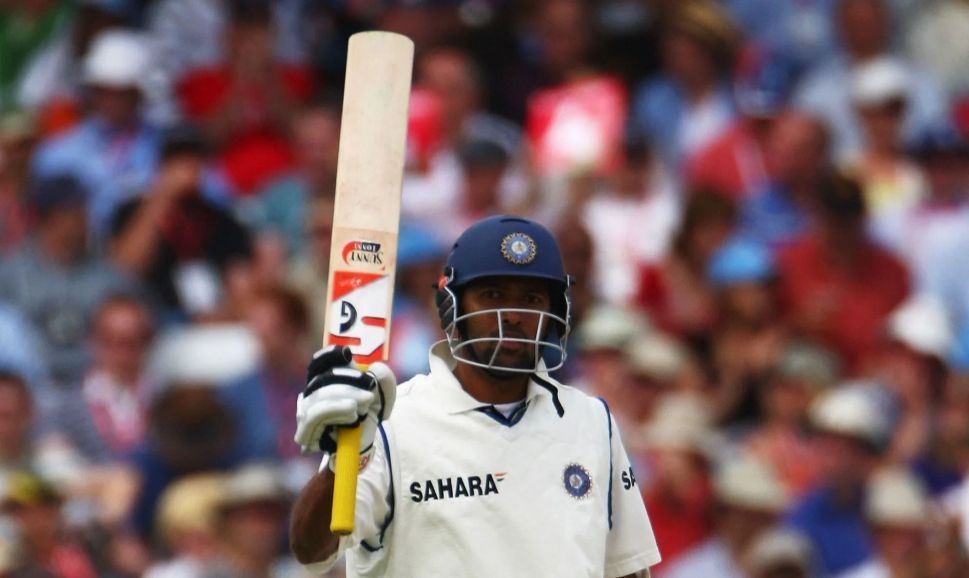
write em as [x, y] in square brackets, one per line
[17, 138]
[105, 418]
[780, 553]
[190, 34]
[309, 272]
[893, 185]
[937, 234]
[897, 510]
[246, 102]
[799, 31]
[678, 489]
[852, 429]
[689, 105]
[186, 524]
[113, 151]
[17, 450]
[280, 208]
[781, 439]
[46, 549]
[749, 500]
[675, 291]
[54, 280]
[825, 277]
[182, 245]
[420, 260]
[935, 40]
[447, 129]
[251, 525]
[797, 158]
[574, 125]
[27, 31]
[52, 86]
[264, 400]
[190, 429]
[748, 335]
[864, 29]
[734, 163]
[21, 347]
[600, 339]
[632, 221]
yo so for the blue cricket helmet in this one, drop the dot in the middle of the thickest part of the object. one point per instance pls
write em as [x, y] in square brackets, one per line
[505, 246]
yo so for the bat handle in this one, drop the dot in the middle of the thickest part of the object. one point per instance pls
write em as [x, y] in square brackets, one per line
[345, 480]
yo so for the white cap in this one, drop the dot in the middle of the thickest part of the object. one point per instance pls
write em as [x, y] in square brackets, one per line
[780, 546]
[610, 327]
[896, 498]
[852, 409]
[879, 81]
[205, 354]
[656, 356]
[118, 58]
[255, 482]
[748, 482]
[681, 422]
[922, 324]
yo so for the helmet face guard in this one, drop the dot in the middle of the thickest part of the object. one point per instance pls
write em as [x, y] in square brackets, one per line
[551, 334]
[510, 247]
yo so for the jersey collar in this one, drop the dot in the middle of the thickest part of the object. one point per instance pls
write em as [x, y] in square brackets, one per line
[454, 400]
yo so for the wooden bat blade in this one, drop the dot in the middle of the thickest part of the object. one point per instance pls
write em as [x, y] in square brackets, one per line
[366, 217]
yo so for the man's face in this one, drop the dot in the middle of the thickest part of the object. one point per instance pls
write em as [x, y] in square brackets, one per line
[116, 106]
[506, 293]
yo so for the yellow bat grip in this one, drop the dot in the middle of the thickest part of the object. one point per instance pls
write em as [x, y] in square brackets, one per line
[345, 480]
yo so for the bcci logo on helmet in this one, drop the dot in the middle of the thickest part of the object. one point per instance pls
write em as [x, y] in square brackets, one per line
[368, 252]
[518, 248]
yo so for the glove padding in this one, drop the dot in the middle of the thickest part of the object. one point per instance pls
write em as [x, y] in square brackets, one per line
[338, 394]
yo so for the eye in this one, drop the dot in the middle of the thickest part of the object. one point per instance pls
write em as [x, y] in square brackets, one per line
[536, 299]
[491, 294]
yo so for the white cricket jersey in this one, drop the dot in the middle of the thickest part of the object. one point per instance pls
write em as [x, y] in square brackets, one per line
[456, 490]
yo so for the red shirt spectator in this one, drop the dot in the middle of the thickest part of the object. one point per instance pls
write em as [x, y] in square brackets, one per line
[733, 164]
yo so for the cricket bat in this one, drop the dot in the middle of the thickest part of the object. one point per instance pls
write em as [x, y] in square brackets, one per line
[366, 216]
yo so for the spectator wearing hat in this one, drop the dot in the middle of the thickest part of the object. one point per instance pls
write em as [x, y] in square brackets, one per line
[864, 29]
[191, 428]
[748, 499]
[893, 185]
[17, 139]
[748, 336]
[675, 292]
[675, 474]
[735, 164]
[802, 372]
[54, 281]
[246, 103]
[897, 511]
[113, 151]
[639, 196]
[935, 41]
[179, 243]
[35, 506]
[251, 525]
[852, 428]
[689, 105]
[825, 277]
[780, 553]
[187, 521]
[796, 157]
[601, 339]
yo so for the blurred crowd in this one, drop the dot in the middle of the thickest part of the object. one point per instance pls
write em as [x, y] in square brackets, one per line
[765, 204]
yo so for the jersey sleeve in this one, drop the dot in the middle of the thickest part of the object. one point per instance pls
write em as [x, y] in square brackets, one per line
[374, 509]
[631, 546]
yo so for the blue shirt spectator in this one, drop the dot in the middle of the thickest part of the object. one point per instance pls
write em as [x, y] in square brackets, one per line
[839, 532]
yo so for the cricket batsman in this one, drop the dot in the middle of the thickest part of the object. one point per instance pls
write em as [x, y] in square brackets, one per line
[486, 466]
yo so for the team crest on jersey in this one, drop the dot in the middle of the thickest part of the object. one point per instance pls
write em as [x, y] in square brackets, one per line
[577, 481]
[518, 248]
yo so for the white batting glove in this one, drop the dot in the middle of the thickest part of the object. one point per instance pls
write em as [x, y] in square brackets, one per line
[339, 394]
